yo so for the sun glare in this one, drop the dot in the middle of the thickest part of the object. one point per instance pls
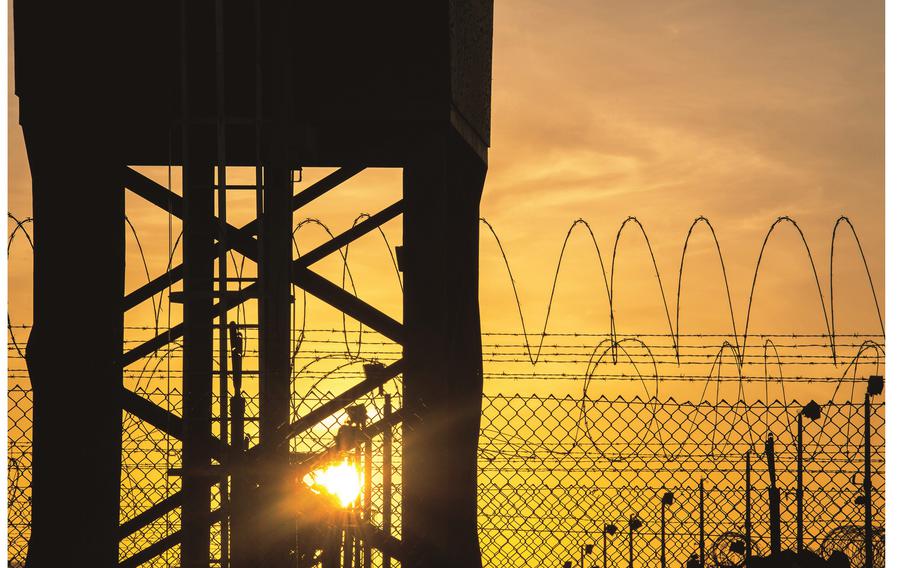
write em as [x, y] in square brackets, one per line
[342, 481]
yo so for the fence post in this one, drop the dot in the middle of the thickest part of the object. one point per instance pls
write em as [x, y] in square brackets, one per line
[631, 552]
[387, 478]
[773, 497]
[663, 534]
[799, 482]
[367, 498]
[701, 521]
[867, 480]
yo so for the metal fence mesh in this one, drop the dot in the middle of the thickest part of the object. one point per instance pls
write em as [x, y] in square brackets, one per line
[554, 471]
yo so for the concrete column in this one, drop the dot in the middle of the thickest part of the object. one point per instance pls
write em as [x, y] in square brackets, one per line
[75, 348]
[443, 380]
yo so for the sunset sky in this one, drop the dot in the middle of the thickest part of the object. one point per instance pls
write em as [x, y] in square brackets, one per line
[738, 111]
[663, 110]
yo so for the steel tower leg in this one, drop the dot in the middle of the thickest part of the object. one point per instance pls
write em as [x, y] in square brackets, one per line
[275, 366]
[274, 269]
[443, 380]
[78, 204]
[198, 251]
[198, 153]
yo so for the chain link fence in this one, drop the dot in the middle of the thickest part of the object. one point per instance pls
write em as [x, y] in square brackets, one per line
[554, 472]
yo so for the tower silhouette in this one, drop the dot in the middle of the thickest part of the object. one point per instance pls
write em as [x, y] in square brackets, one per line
[277, 85]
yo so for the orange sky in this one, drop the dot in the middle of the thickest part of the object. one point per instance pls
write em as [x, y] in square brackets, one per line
[738, 111]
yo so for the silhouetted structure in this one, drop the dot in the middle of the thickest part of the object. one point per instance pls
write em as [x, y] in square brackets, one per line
[207, 84]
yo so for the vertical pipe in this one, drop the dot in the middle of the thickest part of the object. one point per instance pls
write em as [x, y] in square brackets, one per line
[799, 482]
[631, 550]
[387, 477]
[748, 505]
[701, 522]
[332, 550]
[867, 480]
[773, 497]
[347, 542]
[222, 259]
[357, 512]
[367, 498]
[605, 548]
[239, 538]
[238, 552]
[581, 562]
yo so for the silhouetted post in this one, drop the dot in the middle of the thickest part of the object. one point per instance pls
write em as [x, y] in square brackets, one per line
[748, 505]
[241, 554]
[634, 524]
[875, 385]
[867, 483]
[773, 497]
[367, 497]
[631, 550]
[701, 521]
[867, 480]
[609, 529]
[665, 502]
[585, 550]
[812, 411]
[358, 420]
[348, 543]
[331, 554]
[799, 482]
[387, 477]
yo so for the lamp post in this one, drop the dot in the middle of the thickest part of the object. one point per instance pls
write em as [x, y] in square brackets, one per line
[608, 530]
[634, 525]
[586, 549]
[701, 521]
[665, 502]
[813, 412]
[875, 386]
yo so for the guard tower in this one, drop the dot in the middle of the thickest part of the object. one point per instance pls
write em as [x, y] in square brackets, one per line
[278, 85]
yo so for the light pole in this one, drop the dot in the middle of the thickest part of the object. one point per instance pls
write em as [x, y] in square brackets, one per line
[608, 530]
[586, 549]
[634, 525]
[665, 502]
[875, 386]
[813, 412]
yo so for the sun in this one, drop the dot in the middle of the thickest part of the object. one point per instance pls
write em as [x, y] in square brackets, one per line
[341, 481]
